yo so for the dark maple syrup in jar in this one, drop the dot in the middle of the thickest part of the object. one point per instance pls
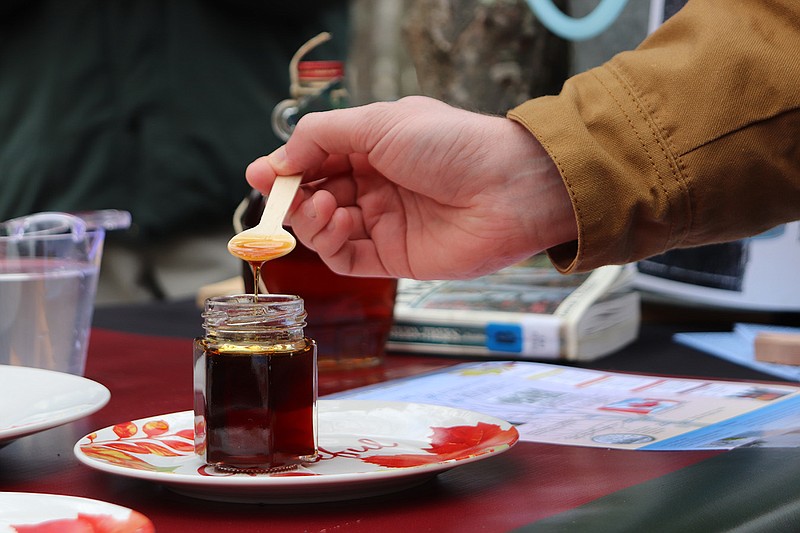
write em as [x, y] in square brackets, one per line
[255, 385]
[259, 409]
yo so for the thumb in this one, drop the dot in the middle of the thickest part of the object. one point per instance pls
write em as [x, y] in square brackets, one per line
[280, 163]
[262, 172]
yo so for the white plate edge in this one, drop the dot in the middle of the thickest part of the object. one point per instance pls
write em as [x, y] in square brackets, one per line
[321, 480]
[10, 434]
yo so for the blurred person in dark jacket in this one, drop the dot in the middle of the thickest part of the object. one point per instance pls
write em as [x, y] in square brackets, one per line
[154, 107]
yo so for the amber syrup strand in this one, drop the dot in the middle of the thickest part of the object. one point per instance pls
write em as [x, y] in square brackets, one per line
[256, 278]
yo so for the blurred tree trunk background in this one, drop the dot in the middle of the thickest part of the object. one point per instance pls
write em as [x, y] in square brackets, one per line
[482, 55]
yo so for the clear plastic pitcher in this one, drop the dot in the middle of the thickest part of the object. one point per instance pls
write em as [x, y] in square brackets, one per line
[49, 266]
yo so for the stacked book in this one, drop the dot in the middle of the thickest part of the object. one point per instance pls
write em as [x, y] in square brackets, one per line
[527, 311]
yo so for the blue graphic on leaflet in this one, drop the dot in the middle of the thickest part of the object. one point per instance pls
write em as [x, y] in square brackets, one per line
[504, 337]
[757, 428]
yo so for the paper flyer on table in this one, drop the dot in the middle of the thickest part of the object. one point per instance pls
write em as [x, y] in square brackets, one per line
[574, 406]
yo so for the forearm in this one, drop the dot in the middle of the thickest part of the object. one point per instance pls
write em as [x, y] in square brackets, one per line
[690, 139]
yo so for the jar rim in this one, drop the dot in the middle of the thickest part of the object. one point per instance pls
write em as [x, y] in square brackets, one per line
[246, 313]
[260, 299]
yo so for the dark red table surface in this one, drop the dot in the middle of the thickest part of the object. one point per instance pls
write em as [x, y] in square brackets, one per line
[529, 486]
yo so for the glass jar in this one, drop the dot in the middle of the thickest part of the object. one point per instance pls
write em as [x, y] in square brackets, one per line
[255, 384]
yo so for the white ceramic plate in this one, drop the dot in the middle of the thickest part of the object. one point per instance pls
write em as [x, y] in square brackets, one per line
[33, 399]
[52, 512]
[366, 448]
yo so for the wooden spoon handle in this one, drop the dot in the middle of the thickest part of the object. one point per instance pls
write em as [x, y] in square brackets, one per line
[278, 201]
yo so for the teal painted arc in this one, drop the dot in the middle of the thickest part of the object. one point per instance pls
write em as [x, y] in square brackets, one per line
[577, 29]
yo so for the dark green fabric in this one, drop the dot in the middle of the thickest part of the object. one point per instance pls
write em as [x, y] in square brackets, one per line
[151, 106]
[743, 491]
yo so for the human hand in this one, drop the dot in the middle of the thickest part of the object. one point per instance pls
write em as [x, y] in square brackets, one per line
[419, 189]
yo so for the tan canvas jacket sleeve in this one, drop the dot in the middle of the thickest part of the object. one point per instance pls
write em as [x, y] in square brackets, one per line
[692, 138]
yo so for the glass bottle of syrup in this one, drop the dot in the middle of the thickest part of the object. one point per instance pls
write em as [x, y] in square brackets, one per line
[316, 86]
[255, 384]
[350, 316]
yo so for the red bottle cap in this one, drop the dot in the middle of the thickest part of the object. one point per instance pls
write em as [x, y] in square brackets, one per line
[320, 70]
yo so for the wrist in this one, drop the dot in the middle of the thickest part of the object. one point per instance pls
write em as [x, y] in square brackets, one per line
[547, 207]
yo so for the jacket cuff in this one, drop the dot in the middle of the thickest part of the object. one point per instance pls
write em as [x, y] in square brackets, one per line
[629, 197]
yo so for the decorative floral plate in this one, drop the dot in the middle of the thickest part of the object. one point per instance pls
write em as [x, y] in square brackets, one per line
[34, 399]
[366, 448]
[28, 512]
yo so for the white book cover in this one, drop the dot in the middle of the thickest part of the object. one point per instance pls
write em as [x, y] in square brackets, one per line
[529, 310]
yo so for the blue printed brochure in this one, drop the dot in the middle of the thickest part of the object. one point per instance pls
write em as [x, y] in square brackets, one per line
[573, 406]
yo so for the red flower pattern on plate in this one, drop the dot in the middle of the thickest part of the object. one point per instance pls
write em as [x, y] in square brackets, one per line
[158, 441]
[452, 444]
[447, 444]
[86, 523]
